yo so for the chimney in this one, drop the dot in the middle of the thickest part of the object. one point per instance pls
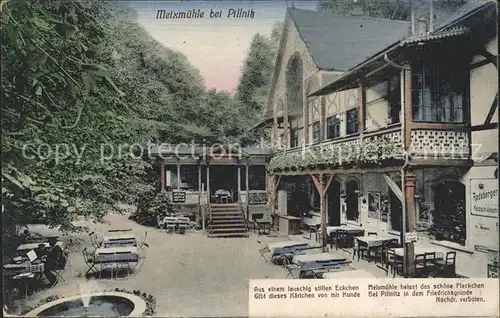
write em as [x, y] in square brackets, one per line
[422, 16]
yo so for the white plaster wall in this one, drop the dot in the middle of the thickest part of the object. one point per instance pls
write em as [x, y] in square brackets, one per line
[377, 107]
[293, 43]
[483, 88]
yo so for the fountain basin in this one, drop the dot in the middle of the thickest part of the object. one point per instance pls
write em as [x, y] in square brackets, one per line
[105, 304]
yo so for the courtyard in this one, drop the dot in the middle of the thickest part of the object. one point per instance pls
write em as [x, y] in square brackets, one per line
[188, 274]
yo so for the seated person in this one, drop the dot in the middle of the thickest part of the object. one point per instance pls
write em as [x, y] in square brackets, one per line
[54, 260]
[26, 237]
[41, 251]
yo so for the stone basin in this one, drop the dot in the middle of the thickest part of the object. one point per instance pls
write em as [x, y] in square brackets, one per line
[105, 304]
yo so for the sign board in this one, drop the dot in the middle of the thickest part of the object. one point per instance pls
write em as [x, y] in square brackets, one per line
[178, 197]
[485, 233]
[484, 194]
[411, 237]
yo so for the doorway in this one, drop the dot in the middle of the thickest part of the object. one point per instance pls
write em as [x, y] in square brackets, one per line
[224, 177]
[396, 210]
[449, 199]
[352, 200]
[333, 202]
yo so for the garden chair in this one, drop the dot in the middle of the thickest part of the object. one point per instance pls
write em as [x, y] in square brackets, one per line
[160, 222]
[88, 259]
[61, 266]
[94, 240]
[359, 250]
[182, 225]
[446, 267]
[170, 224]
[393, 263]
[424, 264]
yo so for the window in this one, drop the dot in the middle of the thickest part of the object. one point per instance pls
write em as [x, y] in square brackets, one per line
[316, 132]
[294, 137]
[352, 121]
[438, 94]
[333, 127]
[394, 99]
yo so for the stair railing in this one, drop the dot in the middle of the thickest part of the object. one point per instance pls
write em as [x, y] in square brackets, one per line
[243, 215]
[209, 210]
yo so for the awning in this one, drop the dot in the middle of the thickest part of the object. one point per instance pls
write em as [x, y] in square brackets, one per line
[350, 79]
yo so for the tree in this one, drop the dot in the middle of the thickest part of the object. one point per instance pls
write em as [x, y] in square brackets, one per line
[395, 9]
[255, 81]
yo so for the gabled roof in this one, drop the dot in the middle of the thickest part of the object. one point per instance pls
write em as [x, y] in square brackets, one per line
[447, 28]
[339, 42]
[468, 9]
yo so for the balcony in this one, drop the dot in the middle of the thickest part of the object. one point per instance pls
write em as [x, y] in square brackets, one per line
[377, 149]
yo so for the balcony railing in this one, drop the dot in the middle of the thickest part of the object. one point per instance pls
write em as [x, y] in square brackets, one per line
[375, 148]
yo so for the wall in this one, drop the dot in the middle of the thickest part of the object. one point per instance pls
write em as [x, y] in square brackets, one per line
[483, 88]
[292, 43]
[377, 107]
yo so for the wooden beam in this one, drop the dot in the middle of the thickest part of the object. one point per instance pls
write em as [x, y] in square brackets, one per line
[492, 110]
[394, 187]
[490, 57]
[478, 64]
[441, 162]
[440, 126]
[316, 183]
[489, 126]
[330, 178]
[361, 107]
[338, 171]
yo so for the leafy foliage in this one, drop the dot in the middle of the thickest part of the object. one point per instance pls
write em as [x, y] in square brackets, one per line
[82, 83]
[255, 81]
[375, 151]
[378, 9]
[150, 204]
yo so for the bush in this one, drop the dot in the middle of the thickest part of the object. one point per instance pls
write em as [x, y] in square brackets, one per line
[151, 203]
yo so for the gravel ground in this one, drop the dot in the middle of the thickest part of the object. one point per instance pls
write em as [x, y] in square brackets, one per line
[190, 275]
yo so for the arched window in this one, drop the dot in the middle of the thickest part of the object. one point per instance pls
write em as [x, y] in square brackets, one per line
[449, 211]
[294, 75]
[352, 200]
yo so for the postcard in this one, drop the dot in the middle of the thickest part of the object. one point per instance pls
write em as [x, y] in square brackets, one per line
[250, 158]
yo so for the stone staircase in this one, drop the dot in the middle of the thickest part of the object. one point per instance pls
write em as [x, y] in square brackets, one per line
[226, 220]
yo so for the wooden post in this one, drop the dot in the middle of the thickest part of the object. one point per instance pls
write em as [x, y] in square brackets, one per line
[162, 174]
[246, 188]
[200, 189]
[362, 107]
[285, 124]
[320, 184]
[239, 182]
[247, 181]
[178, 176]
[410, 181]
[408, 177]
[274, 191]
[208, 183]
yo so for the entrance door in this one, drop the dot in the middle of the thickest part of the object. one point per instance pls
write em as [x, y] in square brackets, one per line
[396, 211]
[334, 203]
[352, 200]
